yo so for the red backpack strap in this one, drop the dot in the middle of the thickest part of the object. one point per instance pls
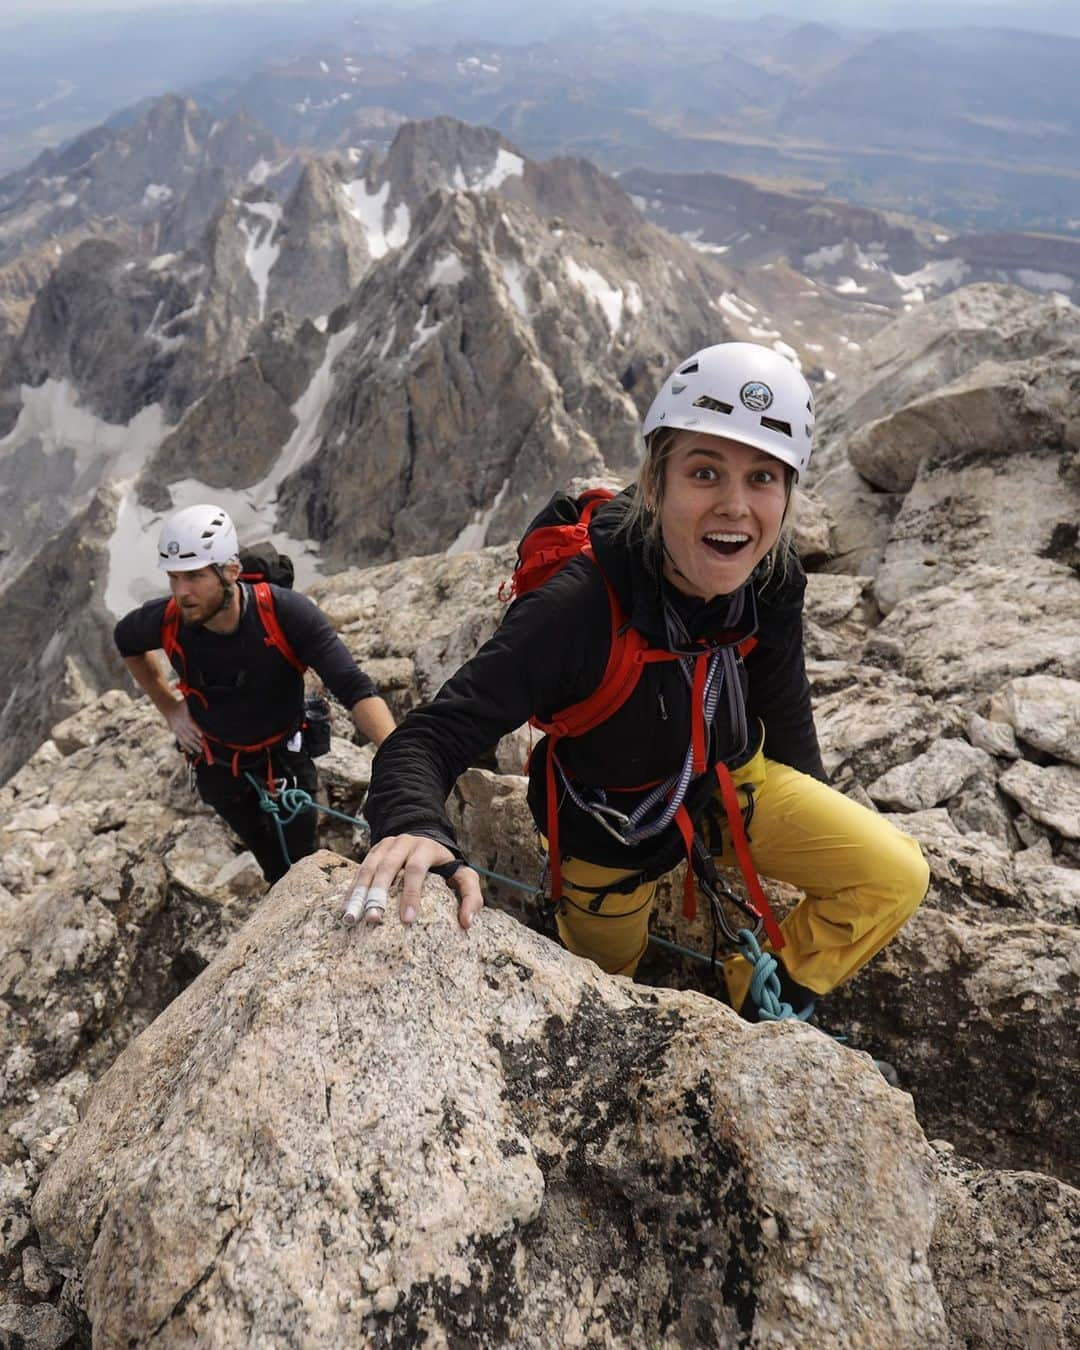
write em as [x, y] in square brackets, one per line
[758, 898]
[170, 645]
[264, 601]
[547, 548]
[170, 626]
[628, 655]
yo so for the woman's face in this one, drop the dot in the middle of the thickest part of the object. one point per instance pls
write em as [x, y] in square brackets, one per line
[721, 513]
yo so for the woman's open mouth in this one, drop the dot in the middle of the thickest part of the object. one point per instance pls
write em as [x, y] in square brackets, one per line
[727, 543]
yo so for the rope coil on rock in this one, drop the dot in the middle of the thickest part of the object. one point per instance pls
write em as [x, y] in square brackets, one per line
[765, 990]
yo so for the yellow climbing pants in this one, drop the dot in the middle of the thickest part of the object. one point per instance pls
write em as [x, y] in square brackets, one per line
[862, 877]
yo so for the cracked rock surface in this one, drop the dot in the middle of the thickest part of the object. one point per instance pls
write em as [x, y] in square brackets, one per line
[376, 1135]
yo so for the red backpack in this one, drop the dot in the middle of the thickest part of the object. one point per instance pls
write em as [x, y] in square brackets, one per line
[171, 645]
[559, 534]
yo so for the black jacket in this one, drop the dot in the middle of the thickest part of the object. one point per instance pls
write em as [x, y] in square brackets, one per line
[252, 692]
[550, 652]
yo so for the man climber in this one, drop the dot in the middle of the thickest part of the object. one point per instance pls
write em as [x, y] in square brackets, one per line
[240, 651]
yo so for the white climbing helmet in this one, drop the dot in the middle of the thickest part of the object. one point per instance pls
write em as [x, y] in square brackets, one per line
[745, 392]
[197, 536]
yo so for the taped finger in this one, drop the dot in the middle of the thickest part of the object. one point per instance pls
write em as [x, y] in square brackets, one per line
[375, 904]
[354, 906]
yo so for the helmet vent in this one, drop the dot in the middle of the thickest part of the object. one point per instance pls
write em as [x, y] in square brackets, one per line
[713, 404]
[691, 368]
[773, 424]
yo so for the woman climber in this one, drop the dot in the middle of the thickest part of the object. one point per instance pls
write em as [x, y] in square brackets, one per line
[664, 660]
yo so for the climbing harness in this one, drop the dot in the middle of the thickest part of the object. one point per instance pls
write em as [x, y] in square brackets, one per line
[557, 536]
[283, 804]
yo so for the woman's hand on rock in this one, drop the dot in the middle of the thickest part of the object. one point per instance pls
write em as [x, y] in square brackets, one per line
[410, 856]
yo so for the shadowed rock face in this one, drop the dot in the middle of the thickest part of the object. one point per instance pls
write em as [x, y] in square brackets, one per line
[231, 437]
[1026, 1239]
[55, 593]
[978, 1011]
[480, 369]
[478, 1136]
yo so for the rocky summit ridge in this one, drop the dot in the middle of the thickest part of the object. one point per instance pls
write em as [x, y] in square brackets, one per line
[224, 1116]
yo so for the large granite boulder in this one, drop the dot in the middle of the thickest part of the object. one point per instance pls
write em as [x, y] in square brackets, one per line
[928, 348]
[377, 1135]
[984, 417]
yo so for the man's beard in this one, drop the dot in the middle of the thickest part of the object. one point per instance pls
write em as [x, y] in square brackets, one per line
[200, 620]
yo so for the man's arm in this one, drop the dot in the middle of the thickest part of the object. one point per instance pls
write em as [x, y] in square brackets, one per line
[148, 674]
[372, 719]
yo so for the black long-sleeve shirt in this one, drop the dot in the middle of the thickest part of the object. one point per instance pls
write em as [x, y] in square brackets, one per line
[550, 652]
[251, 691]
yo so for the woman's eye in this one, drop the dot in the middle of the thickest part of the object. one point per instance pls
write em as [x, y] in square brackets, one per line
[764, 476]
[704, 474]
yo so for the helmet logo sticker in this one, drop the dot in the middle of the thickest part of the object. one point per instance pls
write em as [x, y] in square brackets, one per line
[756, 396]
[173, 548]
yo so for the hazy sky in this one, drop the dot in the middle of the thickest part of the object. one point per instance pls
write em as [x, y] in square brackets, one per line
[870, 11]
[1060, 16]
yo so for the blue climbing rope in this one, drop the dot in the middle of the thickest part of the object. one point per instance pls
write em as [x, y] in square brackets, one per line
[765, 983]
[287, 803]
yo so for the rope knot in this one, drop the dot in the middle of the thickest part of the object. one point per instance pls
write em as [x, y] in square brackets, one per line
[765, 987]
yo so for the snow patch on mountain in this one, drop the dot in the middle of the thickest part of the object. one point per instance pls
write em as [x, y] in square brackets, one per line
[262, 170]
[1043, 281]
[694, 239]
[940, 272]
[447, 270]
[610, 298]
[52, 417]
[513, 274]
[132, 578]
[261, 252]
[423, 331]
[369, 208]
[308, 410]
[474, 535]
[742, 310]
[506, 165]
[822, 257]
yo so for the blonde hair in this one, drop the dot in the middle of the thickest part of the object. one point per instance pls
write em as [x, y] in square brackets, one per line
[644, 514]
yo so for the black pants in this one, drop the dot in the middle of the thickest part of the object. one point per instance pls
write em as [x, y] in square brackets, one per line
[237, 802]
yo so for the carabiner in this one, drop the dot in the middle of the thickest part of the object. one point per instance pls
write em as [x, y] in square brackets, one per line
[598, 813]
[720, 917]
